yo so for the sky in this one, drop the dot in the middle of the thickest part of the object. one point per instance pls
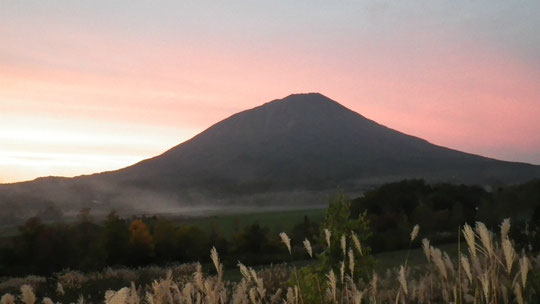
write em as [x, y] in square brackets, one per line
[90, 86]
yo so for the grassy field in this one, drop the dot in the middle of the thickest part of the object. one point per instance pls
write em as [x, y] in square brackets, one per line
[228, 222]
[276, 221]
[393, 259]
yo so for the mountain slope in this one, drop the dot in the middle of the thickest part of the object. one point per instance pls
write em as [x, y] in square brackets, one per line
[309, 141]
[298, 144]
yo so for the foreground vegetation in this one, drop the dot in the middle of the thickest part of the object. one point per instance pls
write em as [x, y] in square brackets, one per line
[488, 270]
[481, 267]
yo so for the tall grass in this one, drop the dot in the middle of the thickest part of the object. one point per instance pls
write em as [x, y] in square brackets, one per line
[488, 269]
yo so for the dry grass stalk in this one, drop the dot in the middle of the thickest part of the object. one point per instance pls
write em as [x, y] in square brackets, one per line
[358, 295]
[7, 299]
[351, 262]
[60, 289]
[332, 285]
[518, 294]
[290, 296]
[436, 256]
[427, 249]
[356, 243]
[485, 237]
[120, 296]
[468, 233]
[505, 228]
[402, 280]
[327, 235]
[198, 277]
[343, 242]
[448, 263]
[47, 301]
[485, 281]
[286, 240]
[309, 250]
[467, 267]
[342, 271]
[509, 254]
[215, 258]
[414, 232]
[374, 284]
[524, 270]
[244, 271]
[27, 295]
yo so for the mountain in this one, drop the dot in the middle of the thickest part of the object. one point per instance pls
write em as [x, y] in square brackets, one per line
[281, 151]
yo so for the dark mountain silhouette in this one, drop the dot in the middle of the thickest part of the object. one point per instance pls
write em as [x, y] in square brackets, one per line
[301, 143]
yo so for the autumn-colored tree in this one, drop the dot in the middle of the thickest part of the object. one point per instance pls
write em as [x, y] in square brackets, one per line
[141, 242]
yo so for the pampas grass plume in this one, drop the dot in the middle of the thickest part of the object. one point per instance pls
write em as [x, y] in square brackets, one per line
[215, 258]
[414, 232]
[7, 299]
[356, 242]
[343, 245]
[402, 280]
[485, 237]
[307, 245]
[426, 247]
[505, 227]
[351, 262]
[509, 254]
[332, 284]
[467, 267]
[47, 301]
[27, 295]
[327, 235]
[524, 270]
[286, 240]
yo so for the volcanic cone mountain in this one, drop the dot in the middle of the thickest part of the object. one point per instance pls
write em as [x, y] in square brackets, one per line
[303, 142]
[308, 141]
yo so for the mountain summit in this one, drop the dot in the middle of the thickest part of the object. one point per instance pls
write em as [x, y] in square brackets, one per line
[308, 141]
[303, 143]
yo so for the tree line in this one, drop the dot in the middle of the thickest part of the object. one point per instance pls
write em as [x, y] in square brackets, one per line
[388, 212]
[394, 208]
[85, 245]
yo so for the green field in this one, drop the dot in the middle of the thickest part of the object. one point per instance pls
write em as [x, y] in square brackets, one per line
[276, 221]
[393, 259]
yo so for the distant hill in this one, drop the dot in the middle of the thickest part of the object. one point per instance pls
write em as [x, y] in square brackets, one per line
[285, 151]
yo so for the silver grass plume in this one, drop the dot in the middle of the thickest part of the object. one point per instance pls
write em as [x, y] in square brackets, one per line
[307, 245]
[356, 242]
[466, 267]
[468, 233]
[332, 284]
[524, 270]
[414, 232]
[351, 262]
[327, 235]
[343, 245]
[509, 254]
[215, 258]
[286, 240]
[27, 294]
[427, 251]
[402, 280]
[7, 299]
[485, 237]
[505, 227]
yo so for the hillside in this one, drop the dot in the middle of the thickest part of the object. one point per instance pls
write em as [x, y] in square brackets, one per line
[286, 151]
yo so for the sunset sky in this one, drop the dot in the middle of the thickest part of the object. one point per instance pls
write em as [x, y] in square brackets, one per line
[88, 86]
